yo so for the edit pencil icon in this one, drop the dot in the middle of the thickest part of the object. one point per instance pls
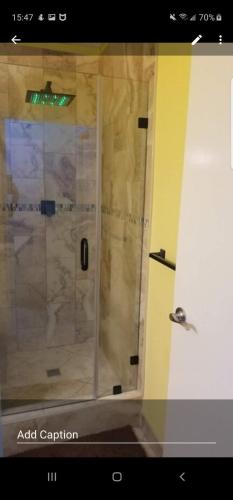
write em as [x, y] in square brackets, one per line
[196, 39]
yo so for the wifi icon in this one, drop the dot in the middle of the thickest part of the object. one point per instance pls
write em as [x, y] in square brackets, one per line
[183, 16]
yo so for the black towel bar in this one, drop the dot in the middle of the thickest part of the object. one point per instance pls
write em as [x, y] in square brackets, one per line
[160, 257]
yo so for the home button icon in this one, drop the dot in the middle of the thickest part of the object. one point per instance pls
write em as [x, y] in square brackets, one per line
[117, 477]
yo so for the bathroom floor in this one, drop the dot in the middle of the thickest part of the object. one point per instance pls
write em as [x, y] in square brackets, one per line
[64, 372]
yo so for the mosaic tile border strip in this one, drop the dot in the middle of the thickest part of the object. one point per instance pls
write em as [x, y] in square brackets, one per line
[71, 207]
[36, 207]
[127, 216]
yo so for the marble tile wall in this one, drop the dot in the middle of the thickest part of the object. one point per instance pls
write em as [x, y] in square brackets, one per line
[128, 65]
[125, 147]
[123, 183]
[52, 294]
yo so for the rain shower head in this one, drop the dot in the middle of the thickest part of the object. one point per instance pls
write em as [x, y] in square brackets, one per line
[48, 97]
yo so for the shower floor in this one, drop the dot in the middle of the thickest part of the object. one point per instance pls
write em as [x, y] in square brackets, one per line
[27, 374]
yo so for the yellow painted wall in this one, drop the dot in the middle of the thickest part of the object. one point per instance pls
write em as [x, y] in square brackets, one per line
[172, 88]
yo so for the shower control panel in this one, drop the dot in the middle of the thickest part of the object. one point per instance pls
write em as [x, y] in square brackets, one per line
[47, 207]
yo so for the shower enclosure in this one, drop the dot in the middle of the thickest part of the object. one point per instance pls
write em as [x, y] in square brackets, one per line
[72, 181]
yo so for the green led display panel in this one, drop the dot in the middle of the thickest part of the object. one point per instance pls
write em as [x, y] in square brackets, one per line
[48, 98]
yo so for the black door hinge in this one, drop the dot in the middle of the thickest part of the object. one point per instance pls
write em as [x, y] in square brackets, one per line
[117, 389]
[134, 360]
[142, 122]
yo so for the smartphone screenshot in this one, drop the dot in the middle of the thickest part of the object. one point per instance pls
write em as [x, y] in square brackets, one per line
[116, 248]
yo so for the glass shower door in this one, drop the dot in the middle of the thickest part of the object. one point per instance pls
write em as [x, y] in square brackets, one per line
[48, 208]
[70, 255]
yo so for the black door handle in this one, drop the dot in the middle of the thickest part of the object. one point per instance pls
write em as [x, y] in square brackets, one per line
[84, 254]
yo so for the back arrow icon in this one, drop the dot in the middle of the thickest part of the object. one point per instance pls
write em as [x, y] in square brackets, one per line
[182, 476]
[15, 39]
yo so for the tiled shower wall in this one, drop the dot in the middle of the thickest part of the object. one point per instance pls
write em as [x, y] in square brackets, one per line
[46, 299]
[127, 166]
[123, 185]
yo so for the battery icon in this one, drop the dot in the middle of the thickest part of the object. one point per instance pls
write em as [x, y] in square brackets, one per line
[219, 17]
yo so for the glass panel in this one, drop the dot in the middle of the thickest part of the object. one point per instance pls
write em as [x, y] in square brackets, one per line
[47, 313]
[123, 185]
[48, 305]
